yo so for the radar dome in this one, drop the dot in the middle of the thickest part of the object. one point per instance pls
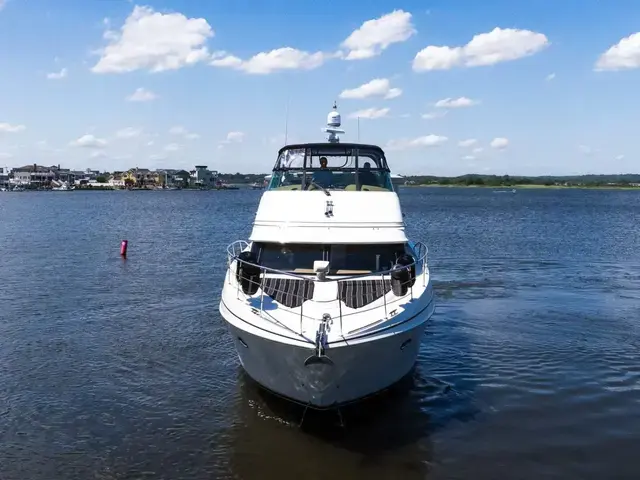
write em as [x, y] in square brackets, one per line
[333, 119]
[333, 125]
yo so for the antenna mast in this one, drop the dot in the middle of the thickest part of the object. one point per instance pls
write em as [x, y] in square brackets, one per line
[286, 121]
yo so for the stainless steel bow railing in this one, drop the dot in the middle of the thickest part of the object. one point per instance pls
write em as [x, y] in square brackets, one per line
[420, 253]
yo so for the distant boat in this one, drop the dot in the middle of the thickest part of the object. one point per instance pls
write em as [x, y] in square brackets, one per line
[64, 187]
[257, 186]
[220, 185]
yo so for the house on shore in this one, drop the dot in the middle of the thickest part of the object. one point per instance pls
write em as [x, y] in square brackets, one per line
[35, 175]
[141, 177]
[4, 177]
[203, 177]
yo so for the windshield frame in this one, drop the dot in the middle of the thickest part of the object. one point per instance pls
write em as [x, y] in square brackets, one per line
[355, 156]
[371, 152]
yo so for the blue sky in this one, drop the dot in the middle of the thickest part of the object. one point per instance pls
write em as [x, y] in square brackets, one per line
[446, 87]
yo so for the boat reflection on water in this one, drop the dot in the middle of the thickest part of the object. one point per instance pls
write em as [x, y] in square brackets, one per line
[385, 436]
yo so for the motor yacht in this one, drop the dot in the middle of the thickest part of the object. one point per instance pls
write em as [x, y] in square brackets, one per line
[327, 300]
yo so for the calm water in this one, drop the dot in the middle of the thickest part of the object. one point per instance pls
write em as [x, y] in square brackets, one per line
[530, 367]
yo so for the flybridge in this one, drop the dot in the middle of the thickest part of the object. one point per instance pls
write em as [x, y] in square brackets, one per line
[331, 165]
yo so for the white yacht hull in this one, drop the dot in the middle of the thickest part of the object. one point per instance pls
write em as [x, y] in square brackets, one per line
[359, 367]
[327, 301]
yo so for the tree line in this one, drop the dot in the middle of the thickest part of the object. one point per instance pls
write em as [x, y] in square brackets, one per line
[508, 180]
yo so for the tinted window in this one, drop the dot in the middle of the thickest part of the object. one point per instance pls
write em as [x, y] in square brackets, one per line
[289, 257]
[343, 259]
[294, 164]
[370, 258]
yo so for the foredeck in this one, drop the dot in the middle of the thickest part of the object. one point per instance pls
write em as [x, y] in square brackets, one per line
[355, 301]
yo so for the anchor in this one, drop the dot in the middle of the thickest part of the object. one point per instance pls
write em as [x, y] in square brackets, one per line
[321, 342]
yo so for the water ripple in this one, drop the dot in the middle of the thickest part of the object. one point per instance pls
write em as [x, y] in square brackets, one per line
[113, 369]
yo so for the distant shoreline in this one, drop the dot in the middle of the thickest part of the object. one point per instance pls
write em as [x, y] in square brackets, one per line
[528, 187]
[503, 188]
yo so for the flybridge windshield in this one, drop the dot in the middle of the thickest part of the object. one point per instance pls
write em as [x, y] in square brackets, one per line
[336, 157]
[331, 167]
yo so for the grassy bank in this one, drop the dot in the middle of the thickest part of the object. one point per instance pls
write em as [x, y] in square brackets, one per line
[528, 186]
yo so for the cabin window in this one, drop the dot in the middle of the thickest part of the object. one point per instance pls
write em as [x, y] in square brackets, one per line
[344, 259]
[359, 259]
[292, 257]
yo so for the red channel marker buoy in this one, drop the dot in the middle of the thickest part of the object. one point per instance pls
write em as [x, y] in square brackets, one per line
[123, 248]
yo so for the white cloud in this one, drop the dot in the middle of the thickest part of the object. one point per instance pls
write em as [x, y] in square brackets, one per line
[98, 154]
[433, 115]
[8, 128]
[425, 141]
[157, 156]
[461, 102]
[191, 136]
[369, 40]
[234, 137]
[370, 113]
[142, 95]
[89, 141]
[378, 87]
[224, 59]
[129, 132]
[263, 63]
[550, 77]
[2, 4]
[154, 41]
[623, 55]
[499, 143]
[620, 157]
[478, 150]
[59, 75]
[5, 155]
[499, 45]
[172, 147]
[468, 157]
[393, 93]
[286, 58]
[470, 142]
[374, 36]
